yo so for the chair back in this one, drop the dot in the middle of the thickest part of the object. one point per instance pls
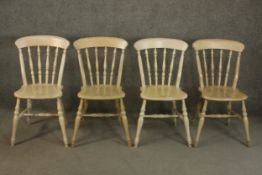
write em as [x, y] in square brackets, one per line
[160, 60]
[101, 60]
[218, 61]
[42, 58]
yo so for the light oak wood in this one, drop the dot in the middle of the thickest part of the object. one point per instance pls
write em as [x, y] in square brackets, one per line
[141, 70]
[218, 93]
[165, 92]
[101, 92]
[42, 40]
[186, 123]
[157, 79]
[39, 91]
[125, 122]
[171, 67]
[168, 43]
[89, 42]
[140, 122]
[113, 66]
[220, 86]
[220, 67]
[45, 81]
[229, 111]
[15, 121]
[77, 121]
[174, 112]
[101, 62]
[218, 44]
[29, 110]
[201, 122]
[118, 109]
[246, 124]
[228, 68]
[61, 118]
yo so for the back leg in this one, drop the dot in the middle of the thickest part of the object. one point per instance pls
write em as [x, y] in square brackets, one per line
[229, 111]
[174, 110]
[29, 110]
[118, 109]
[85, 106]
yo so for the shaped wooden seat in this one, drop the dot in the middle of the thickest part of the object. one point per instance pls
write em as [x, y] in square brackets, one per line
[160, 59]
[39, 91]
[217, 93]
[42, 60]
[163, 93]
[218, 64]
[101, 64]
[101, 92]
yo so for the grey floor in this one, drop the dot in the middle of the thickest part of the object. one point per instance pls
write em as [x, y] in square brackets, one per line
[102, 150]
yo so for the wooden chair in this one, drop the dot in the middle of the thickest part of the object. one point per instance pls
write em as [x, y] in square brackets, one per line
[102, 59]
[157, 58]
[218, 63]
[40, 57]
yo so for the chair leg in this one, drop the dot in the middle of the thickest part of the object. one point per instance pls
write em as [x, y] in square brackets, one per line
[118, 109]
[85, 105]
[29, 109]
[140, 122]
[125, 122]
[61, 119]
[198, 110]
[15, 121]
[229, 111]
[246, 124]
[186, 123]
[174, 111]
[201, 122]
[77, 121]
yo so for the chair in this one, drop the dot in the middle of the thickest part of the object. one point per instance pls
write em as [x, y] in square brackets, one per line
[42, 59]
[157, 58]
[218, 63]
[101, 64]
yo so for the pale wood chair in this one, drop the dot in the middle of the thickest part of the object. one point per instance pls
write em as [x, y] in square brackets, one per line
[160, 59]
[218, 63]
[101, 60]
[42, 60]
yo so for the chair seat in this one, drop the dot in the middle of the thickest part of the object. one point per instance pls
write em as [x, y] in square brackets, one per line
[217, 93]
[39, 91]
[101, 92]
[163, 93]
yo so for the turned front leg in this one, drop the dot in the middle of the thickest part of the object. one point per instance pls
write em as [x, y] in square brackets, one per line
[186, 123]
[125, 122]
[246, 124]
[61, 119]
[77, 121]
[201, 123]
[15, 121]
[140, 123]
